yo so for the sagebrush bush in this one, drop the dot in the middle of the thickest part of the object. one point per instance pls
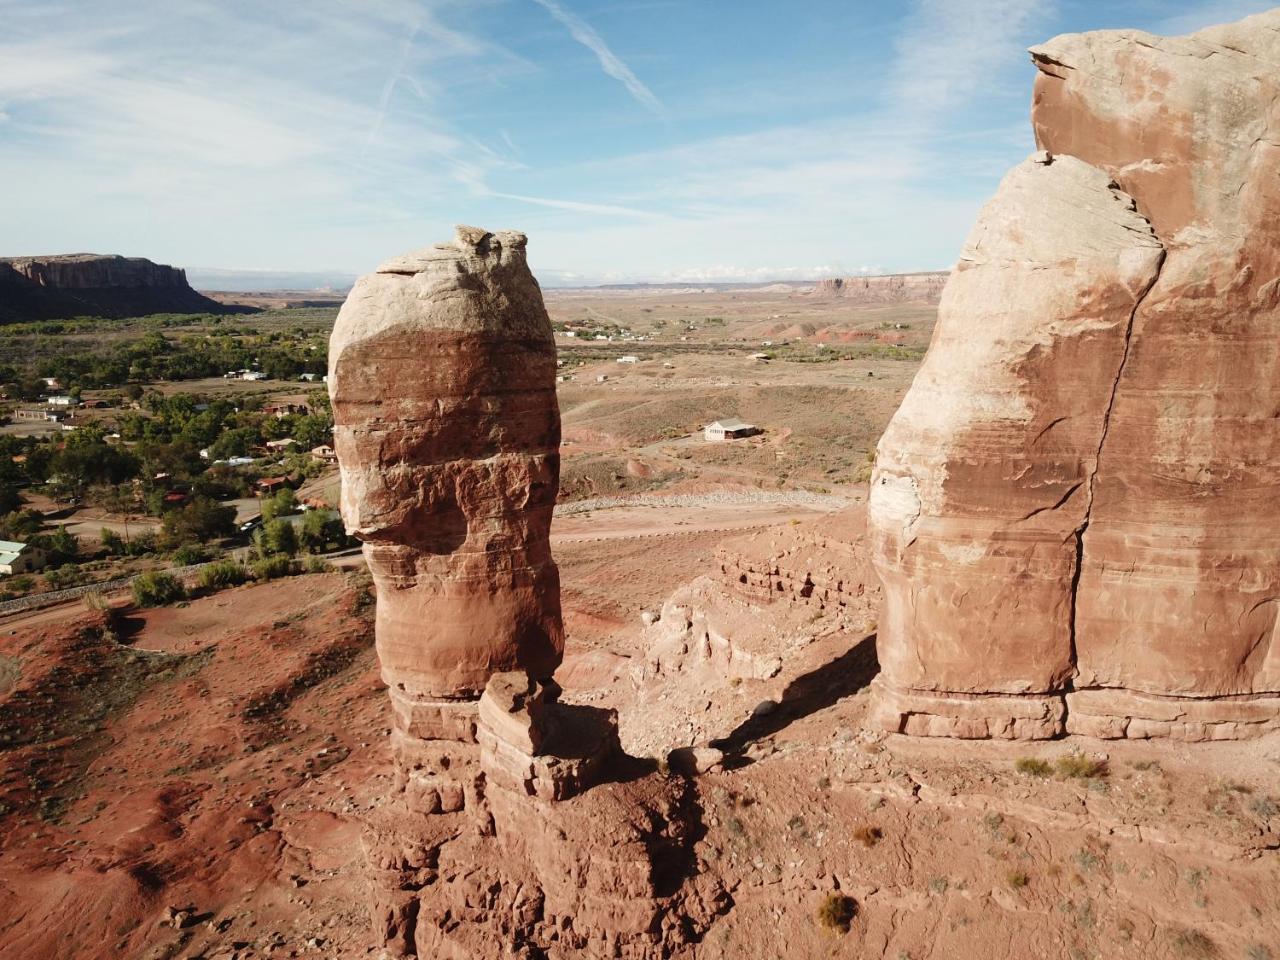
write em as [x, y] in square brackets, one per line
[1078, 766]
[1033, 767]
[272, 567]
[155, 589]
[224, 573]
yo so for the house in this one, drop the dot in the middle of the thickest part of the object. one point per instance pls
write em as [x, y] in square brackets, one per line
[253, 375]
[285, 408]
[52, 383]
[18, 557]
[731, 429]
[629, 359]
[270, 485]
[602, 378]
[282, 444]
[63, 401]
[324, 453]
[309, 377]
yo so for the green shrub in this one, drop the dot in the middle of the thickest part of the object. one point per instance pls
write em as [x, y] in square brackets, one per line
[189, 554]
[316, 565]
[224, 573]
[272, 567]
[837, 912]
[111, 542]
[155, 589]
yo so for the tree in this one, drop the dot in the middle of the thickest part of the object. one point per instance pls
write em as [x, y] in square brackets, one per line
[281, 504]
[198, 521]
[319, 529]
[111, 542]
[279, 538]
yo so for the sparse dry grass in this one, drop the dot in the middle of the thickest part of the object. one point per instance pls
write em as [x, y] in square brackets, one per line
[1194, 944]
[1077, 766]
[1033, 766]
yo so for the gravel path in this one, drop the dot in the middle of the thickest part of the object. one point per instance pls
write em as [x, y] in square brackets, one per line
[795, 497]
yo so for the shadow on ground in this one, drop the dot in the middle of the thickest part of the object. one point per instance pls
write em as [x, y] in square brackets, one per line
[806, 695]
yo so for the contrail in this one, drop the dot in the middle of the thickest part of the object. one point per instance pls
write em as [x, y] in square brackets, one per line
[609, 62]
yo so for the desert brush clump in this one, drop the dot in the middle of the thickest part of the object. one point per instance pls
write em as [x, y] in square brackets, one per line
[1194, 944]
[272, 567]
[836, 912]
[868, 836]
[1033, 766]
[156, 589]
[1017, 879]
[1076, 766]
[223, 573]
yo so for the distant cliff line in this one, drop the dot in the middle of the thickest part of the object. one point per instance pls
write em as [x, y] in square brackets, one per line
[86, 284]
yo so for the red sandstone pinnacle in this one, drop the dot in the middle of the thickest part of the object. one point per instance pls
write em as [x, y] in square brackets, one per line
[1074, 512]
[447, 430]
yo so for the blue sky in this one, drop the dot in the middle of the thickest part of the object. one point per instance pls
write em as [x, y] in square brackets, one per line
[654, 140]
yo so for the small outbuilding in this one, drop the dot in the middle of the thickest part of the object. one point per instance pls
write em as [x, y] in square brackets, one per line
[731, 429]
[16, 557]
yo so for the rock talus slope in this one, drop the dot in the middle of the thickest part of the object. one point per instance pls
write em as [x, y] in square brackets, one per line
[1074, 510]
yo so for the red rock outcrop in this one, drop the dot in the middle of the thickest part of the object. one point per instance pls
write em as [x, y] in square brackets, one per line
[447, 430]
[1074, 510]
[86, 284]
[891, 288]
[442, 374]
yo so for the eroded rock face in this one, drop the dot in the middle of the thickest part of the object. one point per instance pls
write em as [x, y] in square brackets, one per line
[1074, 510]
[447, 430]
[79, 284]
[892, 288]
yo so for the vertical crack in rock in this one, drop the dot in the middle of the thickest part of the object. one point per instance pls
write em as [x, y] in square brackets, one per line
[1097, 459]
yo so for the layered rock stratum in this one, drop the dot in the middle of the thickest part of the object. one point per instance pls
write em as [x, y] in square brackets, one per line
[890, 288]
[86, 284]
[1073, 512]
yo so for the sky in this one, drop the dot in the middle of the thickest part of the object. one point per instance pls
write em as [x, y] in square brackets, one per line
[655, 140]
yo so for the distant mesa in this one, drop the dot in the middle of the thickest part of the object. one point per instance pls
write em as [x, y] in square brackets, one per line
[87, 284]
[891, 288]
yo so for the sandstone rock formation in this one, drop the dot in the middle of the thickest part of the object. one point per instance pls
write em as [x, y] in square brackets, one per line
[892, 288]
[442, 374]
[85, 284]
[1074, 509]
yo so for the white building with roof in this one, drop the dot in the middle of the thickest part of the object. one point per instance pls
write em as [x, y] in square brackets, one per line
[16, 557]
[730, 429]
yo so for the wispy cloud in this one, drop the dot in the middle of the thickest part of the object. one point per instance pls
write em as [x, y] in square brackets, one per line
[579, 206]
[1211, 13]
[610, 62]
[947, 50]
